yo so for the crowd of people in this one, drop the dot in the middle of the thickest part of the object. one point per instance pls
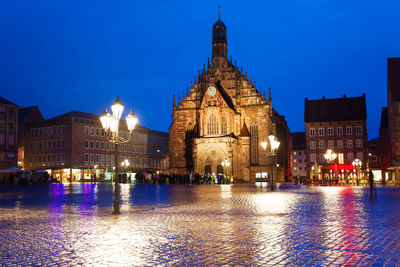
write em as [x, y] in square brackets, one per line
[24, 178]
[184, 179]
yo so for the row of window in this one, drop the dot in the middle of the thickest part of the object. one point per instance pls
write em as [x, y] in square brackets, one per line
[213, 125]
[10, 141]
[93, 131]
[339, 144]
[50, 144]
[3, 111]
[47, 159]
[47, 131]
[7, 156]
[89, 144]
[339, 131]
[11, 125]
[134, 162]
[340, 157]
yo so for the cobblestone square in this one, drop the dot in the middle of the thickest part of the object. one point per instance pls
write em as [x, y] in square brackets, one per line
[66, 225]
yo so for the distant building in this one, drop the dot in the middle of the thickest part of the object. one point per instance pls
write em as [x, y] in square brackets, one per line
[385, 147]
[339, 125]
[8, 134]
[299, 156]
[73, 146]
[374, 163]
[393, 94]
[225, 116]
[25, 116]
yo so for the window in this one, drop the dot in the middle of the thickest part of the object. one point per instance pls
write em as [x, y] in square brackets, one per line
[91, 145]
[295, 168]
[350, 156]
[299, 160]
[294, 153]
[86, 144]
[312, 132]
[330, 131]
[339, 143]
[91, 158]
[313, 157]
[97, 131]
[86, 159]
[321, 158]
[11, 140]
[212, 124]
[360, 155]
[102, 160]
[358, 130]
[349, 143]
[359, 143]
[349, 130]
[107, 146]
[294, 161]
[107, 160]
[97, 158]
[340, 158]
[87, 130]
[312, 144]
[321, 144]
[321, 132]
[331, 144]
[97, 145]
[224, 127]
[374, 158]
[11, 125]
[91, 130]
[339, 130]
[102, 145]
[11, 112]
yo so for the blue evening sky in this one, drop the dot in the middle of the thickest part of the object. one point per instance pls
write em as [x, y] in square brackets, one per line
[79, 55]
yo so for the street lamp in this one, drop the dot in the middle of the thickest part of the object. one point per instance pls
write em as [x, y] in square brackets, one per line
[225, 165]
[110, 124]
[330, 157]
[94, 174]
[357, 164]
[125, 163]
[274, 145]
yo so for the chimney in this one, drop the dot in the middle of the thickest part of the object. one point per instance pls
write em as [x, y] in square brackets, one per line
[323, 97]
[344, 96]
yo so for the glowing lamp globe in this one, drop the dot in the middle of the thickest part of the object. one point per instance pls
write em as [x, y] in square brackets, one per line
[131, 121]
[117, 108]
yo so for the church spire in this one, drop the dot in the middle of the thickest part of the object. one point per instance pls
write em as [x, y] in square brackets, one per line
[219, 43]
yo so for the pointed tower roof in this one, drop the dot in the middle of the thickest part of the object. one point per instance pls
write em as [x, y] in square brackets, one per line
[244, 132]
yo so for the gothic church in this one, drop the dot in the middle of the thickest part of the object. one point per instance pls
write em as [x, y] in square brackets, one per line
[224, 118]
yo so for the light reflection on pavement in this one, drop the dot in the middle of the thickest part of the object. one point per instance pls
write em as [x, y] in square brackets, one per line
[72, 224]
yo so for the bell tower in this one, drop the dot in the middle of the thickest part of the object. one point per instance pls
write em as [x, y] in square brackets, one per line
[219, 43]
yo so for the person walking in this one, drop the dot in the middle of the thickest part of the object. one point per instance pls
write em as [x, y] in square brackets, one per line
[371, 182]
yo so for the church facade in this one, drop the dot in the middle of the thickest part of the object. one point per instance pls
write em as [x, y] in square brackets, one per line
[218, 126]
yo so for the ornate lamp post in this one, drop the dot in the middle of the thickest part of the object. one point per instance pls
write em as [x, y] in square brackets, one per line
[274, 145]
[357, 164]
[125, 163]
[225, 165]
[110, 124]
[330, 158]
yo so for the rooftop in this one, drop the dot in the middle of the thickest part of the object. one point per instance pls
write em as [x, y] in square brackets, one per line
[335, 109]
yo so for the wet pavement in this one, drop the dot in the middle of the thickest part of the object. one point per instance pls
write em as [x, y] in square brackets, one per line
[67, 225]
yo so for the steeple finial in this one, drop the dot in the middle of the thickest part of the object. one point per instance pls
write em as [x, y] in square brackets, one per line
[219, 11]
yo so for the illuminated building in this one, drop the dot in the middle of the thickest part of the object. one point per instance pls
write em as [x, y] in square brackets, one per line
[73, 146]
[299, 156]
[8, 134]
[339, 125]
[225, 116]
